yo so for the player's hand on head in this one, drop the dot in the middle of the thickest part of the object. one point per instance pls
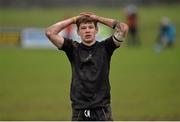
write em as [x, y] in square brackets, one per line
[79, 16]
[90, 14]
[87, 13]
[75, 18]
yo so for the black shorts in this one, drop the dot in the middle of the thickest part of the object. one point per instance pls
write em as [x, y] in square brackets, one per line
[92, 114]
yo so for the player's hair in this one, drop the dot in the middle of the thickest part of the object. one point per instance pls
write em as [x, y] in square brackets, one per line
[85, 19]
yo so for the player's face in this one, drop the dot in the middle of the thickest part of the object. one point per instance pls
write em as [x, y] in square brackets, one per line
[87, 32]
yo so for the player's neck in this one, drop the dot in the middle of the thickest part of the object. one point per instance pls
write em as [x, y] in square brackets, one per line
[89, 44]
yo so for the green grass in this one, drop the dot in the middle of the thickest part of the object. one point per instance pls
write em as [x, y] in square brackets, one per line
[146, 85]
[35, 83]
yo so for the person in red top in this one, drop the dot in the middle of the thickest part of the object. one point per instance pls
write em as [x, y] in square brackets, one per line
[68, 31]
[132, 21]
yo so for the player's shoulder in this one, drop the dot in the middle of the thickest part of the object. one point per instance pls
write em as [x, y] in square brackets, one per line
[75, 43]
[106, 40]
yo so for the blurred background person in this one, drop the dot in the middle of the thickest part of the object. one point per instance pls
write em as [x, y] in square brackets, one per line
[132, 21]
[166, 36]
[68, 32]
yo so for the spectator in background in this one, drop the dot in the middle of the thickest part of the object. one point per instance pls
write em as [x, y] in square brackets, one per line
[166, 37]
[68, 31]
[132, 21]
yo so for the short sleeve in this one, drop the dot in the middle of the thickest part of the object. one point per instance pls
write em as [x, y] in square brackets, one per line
[110, 45]
[67, 47]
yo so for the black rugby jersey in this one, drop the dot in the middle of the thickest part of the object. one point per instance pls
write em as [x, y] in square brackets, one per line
[90, 66]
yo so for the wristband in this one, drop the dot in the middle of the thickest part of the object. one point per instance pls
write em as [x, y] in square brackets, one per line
[74, 19]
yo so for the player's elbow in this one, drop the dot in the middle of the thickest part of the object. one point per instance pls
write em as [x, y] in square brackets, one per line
[48, 32]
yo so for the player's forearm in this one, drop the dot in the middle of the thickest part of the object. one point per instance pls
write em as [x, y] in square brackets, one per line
[59, 26]
[121, 29]
[107, 21]
[52, 32]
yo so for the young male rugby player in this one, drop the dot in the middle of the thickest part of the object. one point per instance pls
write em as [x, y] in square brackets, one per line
[90, 63]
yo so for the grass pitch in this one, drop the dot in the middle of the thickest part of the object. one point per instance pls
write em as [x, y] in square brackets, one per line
[35, 84]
